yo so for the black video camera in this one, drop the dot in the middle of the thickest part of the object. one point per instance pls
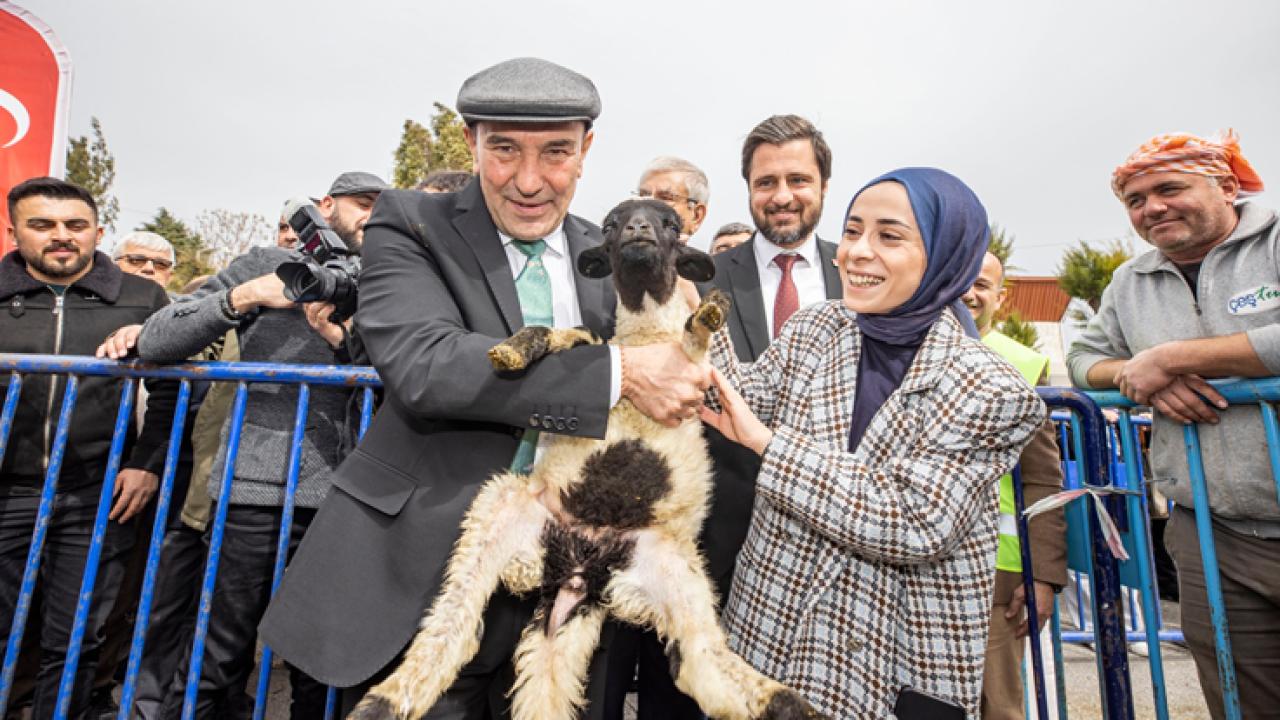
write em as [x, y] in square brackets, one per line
[328, 272]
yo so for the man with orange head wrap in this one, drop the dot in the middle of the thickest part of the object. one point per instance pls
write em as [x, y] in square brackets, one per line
[1203, 303]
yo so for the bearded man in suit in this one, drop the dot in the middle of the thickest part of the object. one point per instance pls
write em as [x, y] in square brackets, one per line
[447, 276]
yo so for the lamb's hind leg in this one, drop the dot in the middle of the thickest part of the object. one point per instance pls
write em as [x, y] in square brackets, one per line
[708, 318]
[556, 649]
[504, 521]
[667, 588]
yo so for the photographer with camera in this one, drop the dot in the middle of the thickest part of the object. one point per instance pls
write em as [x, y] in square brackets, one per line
[252, 299]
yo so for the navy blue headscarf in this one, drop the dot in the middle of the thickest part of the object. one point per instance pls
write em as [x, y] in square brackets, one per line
[953, 225]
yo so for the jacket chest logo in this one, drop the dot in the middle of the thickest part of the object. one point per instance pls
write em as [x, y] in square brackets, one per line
[1253, 301]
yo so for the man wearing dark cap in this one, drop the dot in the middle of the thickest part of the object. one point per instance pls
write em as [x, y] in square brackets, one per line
[248, 297]
[446, 277]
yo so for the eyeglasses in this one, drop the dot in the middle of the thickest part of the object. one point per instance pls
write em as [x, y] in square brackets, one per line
[139, 261]
[666, 197]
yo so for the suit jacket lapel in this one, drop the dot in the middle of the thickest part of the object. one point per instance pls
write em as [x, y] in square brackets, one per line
[748, 298]
[830, 273]
[481, 235]
[592, 298]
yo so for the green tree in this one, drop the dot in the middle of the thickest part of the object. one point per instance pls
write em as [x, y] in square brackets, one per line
[188, 247]
[1001, 246]
[413, 155]
[423, 150]
[1085, 271]
[1021, 330]
[91, 165]
[449, 151]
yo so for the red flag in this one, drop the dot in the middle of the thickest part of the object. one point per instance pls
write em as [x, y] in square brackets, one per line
[35, 92]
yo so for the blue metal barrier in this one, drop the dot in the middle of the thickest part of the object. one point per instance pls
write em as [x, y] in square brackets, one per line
[1089, 459]
[1241, 392]
[241, 373]
[1138, 572]
[1090, 452]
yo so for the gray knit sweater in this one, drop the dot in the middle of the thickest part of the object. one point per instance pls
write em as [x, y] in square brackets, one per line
[183, 328]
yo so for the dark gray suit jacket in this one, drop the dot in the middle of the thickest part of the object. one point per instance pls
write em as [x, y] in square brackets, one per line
[436, 293]
[736, 467]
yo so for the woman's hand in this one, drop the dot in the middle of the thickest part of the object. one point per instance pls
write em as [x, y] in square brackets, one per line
[736, 421]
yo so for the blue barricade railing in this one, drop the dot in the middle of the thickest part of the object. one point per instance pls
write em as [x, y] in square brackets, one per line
[1129, 509]
[243, 374]
[1095, 453]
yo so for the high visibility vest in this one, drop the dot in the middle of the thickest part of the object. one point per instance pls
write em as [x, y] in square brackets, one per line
[1031, 365]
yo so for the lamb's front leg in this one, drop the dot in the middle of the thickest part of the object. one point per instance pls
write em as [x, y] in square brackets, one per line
[504, 522]
[707, 319]
[533, 342]
[667, 588]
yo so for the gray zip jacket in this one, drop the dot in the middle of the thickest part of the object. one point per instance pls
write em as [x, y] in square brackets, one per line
[1148, 303]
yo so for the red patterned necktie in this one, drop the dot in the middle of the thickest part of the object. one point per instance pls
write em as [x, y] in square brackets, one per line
[787, 301]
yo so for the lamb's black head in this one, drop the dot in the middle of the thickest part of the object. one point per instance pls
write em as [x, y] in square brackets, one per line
[642, 249]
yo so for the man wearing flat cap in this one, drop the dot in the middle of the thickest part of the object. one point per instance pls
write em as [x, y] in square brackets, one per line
[249, 298]
[446, 277]
[1203, 303]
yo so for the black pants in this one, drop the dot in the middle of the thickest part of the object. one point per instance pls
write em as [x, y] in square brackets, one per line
[62, 565]
[480, 692]
[241, 592]
[638, 653]
[174, 605]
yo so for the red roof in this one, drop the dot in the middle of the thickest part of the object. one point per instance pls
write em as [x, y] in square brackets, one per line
[1037, 299]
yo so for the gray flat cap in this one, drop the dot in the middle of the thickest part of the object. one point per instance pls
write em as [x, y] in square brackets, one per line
[528, 90]
[357, 183]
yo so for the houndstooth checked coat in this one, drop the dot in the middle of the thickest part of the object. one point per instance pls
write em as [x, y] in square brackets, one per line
[867, 572]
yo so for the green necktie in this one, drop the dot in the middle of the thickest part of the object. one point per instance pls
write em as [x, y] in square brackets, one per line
[533, 286]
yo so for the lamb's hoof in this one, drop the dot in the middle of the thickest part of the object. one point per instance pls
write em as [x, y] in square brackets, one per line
[504, 357]
[786, 704]
[373, 708]
[711, 316]
[714, 309]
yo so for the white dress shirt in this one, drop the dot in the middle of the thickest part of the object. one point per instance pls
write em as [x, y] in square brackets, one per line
[806, 273]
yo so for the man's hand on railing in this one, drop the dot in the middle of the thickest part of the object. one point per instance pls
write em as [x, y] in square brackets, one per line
[120, 343]
[1144, 374]
[133, 490]
[1185, 398]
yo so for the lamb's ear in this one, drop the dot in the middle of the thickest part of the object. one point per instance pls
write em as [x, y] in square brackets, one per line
[694, 265]
[594, 262]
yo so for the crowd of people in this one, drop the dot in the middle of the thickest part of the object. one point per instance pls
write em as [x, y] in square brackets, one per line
[863, 419]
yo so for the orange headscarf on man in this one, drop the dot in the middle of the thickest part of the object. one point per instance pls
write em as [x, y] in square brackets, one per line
[1186, 153]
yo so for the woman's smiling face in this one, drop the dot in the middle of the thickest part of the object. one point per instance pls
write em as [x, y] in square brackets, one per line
[881, 255]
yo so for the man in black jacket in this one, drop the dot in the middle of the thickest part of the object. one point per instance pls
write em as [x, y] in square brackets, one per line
[63, 298]
[446, 277]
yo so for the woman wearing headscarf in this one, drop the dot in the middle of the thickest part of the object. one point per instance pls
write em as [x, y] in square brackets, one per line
[883, 425]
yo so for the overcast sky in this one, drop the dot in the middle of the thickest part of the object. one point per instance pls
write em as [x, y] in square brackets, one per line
[240, 105]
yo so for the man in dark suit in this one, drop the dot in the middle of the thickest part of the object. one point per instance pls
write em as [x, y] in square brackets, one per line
[447, 276]
[787, 165]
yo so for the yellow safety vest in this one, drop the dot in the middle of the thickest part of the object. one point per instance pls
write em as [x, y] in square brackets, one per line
[1031, 365]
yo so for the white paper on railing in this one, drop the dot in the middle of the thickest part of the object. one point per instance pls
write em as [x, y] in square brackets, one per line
[1109, 529]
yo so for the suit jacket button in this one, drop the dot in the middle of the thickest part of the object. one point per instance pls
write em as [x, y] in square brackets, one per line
[560, 423]
[548, 422]
[571, 423]
[854, 644]
[534, 419]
